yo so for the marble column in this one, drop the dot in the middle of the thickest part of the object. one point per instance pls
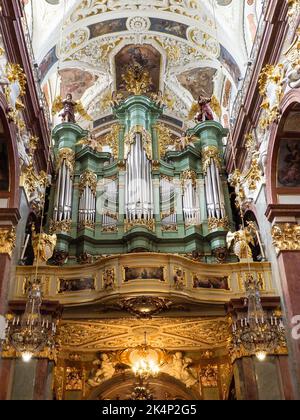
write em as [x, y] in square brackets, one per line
[255, 380]
[288, 261]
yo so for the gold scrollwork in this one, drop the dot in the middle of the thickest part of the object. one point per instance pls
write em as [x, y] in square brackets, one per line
[88, 179]
[271, 89]
[146, 140]
[189, 175]
[286, 237]
[210, 153]
[7, 240]
[214, 223]
[148, 223]
[68, 155]
[60, 226]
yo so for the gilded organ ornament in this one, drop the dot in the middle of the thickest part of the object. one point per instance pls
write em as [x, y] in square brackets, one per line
[210, 153]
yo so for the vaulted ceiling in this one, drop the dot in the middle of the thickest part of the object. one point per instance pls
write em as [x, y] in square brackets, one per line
[202, 45]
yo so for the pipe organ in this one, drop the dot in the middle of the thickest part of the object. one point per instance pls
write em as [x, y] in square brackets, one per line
[167, 200]
[64, 185]
[215, 200]
[87, 200]
[110, 205]
[149, 197]
[191, 208]
[138, 184]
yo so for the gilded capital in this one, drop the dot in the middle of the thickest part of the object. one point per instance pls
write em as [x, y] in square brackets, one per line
[7, 240]
[286, 237]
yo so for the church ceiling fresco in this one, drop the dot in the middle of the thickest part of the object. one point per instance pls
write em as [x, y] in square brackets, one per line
[199, 41]
[198, 81]
[143, 55]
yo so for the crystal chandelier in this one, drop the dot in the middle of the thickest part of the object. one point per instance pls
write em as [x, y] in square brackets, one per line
[258, 334]
[141, 392]
[144, 360]
[31, 333]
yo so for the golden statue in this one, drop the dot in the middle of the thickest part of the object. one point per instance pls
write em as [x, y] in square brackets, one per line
[242, 238]
[43, 245]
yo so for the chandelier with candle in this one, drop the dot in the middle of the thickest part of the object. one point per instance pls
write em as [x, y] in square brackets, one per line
[31, 333]
[257, 334]
[144, 360]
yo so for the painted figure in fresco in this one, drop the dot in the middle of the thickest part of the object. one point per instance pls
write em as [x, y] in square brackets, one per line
[68, 114]
[290, 173]
[179, 279]
[205, 112]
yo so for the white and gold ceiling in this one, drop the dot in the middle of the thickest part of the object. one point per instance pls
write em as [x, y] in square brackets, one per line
[202, 45]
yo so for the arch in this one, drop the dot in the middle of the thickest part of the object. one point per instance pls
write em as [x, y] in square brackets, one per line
[121, 385]
[12, 195]
[290, 104]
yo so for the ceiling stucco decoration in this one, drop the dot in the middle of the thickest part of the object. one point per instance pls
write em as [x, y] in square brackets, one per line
[189, 8]
[190, 35]
[168, 333]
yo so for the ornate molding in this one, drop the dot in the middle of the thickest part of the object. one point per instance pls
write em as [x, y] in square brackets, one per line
[286, 237]
[210, 153]
[214, 223]
[189, 175]
[68, 155]
[293, 12]
[63, 226]
[88, 179]
[271, 89]
[7, 240]
[148, 223]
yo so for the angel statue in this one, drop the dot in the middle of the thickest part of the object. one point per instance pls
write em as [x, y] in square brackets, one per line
[43, 245]
[204, 109]
[92, 142]
[242, 238]
[104, 369]
[70, 108]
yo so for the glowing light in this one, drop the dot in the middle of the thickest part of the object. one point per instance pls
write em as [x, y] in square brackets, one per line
[26, 356]
[261, 355]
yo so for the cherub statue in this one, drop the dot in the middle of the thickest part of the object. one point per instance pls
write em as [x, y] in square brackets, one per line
[182, 142]
[105, 369]
[92, 142]
[179, 368]
[242, 238]
[116, 99]
[70, 108]
[43, 245]
[158, 99]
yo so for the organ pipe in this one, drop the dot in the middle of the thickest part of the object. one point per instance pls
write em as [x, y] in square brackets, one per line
[139, 188]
